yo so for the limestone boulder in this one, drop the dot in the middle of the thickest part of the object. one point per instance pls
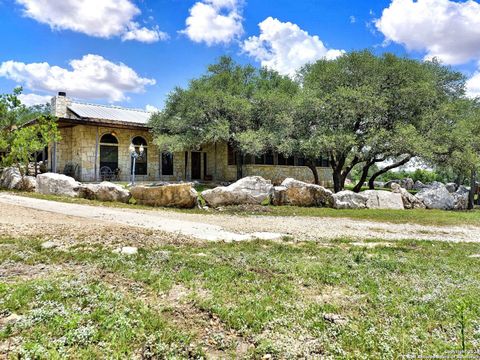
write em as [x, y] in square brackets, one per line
[252, 190]
[436, 196]
[418, 185]
[349, 200]
[409, 201]
[451, 187]
[27, 183]
[299, 193]
[167, 195]
[407, 183]
[57, 184]
[105, 191]
[460, 198]
[379, 199]
[10, 178]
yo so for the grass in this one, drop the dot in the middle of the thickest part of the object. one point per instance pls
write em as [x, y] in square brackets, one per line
[418, 216]
[408, 297]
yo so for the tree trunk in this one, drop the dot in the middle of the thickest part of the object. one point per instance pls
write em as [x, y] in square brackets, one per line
[471, 195]
[239, 165]
[311, 166]
[363, 177]
[338, 180]
[371, 182]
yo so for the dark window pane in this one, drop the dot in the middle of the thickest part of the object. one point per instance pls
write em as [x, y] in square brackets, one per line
[260, 160]
[248, 159]
[269, 158]
[108, 139]
[300, 161]
[282, 160]
[232, 155]
[140, 163]
[109, 156]
[167, 163]
[138, 140]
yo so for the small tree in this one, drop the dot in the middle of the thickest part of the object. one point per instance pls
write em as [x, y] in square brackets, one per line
[23, 131]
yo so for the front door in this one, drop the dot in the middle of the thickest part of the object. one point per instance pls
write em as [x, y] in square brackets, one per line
[196, 165]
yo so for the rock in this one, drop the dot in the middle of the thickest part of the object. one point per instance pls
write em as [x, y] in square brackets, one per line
[418, 185]
[379, 184]
[349, 200]
[436, 196]
[298, 193]
[57, 184]
[460, 198]
[407, 183]
[335, 318]
[253, 190]
[127, 250]
[409, 201]
[49, 245]
[27, 183]
[451, 187]
[170, 195]
[279, 196]
[105, 191]
[388, 184]
[10, 178]
[380, 199]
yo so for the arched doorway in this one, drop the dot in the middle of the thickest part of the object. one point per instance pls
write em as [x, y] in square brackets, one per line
[140, 163]
[109, 152]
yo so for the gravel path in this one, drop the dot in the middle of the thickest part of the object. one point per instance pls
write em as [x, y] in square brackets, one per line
[236, 228]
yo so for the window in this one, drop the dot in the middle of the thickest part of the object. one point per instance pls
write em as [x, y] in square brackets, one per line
[167, 163]
[232, 155]
[109, 152]
[282, 160]
[301, 161]
[141, 162]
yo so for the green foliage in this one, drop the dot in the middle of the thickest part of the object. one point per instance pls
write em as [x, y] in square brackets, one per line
[23, 131]
[425, 176]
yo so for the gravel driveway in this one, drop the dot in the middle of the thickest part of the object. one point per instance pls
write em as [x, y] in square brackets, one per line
[226, 227]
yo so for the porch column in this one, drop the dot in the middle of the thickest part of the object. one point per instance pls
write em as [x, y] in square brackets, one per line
[96, 157]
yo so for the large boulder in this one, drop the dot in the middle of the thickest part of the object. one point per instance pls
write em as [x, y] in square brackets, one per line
[10, 178]
[460, 198]
[436, 196]
[409, 201]
[57, 184]
[105, 191]
[298, 193]
[252, 190]
[418, 185]
[451, 187]
[407, 183]
[27, 183]
[379, 199]
[168, 195]
[349, 200]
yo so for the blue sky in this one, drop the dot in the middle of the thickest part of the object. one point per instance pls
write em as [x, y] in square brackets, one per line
[133, 52]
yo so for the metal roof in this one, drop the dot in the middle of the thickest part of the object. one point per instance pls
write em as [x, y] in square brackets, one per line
[103, 112]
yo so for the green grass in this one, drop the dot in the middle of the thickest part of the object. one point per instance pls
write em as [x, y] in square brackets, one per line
[422, 217]
[412, 297]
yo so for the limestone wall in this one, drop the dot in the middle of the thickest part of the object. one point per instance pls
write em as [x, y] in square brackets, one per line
[78, 145]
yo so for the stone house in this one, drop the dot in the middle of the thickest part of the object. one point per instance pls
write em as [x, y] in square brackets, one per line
[96, 138]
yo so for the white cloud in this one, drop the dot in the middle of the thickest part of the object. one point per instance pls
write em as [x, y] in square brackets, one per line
[285, 47]
[353, 19]
[214, 21]
[143, 34]
[99, 18]
[34, 99]
[91, 77]
[151, 109]
[444, 29]
[473, 85]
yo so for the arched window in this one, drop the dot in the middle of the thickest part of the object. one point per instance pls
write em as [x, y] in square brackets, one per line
[109, 152]
[140, 163]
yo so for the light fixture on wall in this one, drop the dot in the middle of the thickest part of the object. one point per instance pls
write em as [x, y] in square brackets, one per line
[114, 133]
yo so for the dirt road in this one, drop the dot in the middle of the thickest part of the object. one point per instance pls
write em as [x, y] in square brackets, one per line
[17, 212]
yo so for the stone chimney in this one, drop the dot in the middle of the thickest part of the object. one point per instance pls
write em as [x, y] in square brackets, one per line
[59, 105]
